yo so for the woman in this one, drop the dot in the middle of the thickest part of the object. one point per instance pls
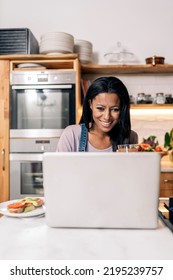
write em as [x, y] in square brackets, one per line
[105, 121]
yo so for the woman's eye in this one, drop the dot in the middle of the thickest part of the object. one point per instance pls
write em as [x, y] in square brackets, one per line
[100, 109]
[116, 110]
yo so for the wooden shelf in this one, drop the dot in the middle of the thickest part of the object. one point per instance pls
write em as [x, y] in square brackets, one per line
[126, 69]
[151, 106]
[37, 56]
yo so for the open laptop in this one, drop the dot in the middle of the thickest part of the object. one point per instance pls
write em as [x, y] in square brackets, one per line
[102, 190]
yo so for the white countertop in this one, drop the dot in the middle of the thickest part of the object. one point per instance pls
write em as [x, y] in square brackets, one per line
[31, 238]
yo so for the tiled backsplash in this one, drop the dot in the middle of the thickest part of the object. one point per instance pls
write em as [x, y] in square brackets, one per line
[157, 125]
[148, 83]
[157, 122]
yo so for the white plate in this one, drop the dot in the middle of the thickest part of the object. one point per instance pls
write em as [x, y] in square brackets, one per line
[29, 65]
[37, 212]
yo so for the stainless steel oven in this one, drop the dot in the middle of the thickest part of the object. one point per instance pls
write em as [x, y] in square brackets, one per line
[26, 173]
[42, 103]
[26, 176]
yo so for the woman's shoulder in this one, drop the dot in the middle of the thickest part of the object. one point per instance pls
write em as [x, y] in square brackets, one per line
[73, 129]
[133, 137]
[69, 140]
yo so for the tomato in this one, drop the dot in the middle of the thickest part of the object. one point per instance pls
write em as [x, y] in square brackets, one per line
[16, 205]
[145, 146]
[158, 148]
[39, 200]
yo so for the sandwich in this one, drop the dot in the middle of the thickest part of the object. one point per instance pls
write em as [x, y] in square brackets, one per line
[25, 205]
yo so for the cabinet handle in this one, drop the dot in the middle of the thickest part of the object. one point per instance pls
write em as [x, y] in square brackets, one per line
[3, 159]
[168, 180]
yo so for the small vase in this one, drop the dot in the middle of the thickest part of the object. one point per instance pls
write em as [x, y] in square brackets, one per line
[171, 155]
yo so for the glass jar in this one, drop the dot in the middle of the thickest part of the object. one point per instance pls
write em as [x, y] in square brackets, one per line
[141, 98]
[132, 99]
[149, 99]
[168, 98]
[160, 98]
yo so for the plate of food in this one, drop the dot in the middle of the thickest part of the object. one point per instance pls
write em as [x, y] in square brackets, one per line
[23, 208]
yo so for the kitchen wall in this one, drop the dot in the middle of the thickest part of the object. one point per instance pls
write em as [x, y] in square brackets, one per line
[143, 26]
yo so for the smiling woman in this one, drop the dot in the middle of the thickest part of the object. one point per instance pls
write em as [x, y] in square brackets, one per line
[105, 121]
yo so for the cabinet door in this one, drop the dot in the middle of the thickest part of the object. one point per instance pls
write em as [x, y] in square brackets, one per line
[4, 130]
[166, 184]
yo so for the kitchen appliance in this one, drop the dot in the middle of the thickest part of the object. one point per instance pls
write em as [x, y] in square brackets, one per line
[42, 104]
[26, 176]
[18, 41]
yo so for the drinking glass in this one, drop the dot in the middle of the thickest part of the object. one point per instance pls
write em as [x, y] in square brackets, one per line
[128, 148]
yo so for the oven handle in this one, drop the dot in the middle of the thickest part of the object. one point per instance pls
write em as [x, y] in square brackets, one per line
[3, 159]
[26, 156]
[43, 87]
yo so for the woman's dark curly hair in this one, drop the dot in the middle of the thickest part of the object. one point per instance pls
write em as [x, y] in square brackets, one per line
[121, 131]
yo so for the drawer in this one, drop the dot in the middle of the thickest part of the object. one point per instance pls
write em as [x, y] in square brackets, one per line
[166, 184]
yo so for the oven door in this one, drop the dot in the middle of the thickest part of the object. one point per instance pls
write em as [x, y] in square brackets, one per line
[26, 175]
[41, 110]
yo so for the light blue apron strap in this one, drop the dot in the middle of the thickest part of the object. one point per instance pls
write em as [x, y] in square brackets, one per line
[83, 138]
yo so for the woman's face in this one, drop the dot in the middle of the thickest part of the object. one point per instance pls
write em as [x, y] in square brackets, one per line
[105, 111]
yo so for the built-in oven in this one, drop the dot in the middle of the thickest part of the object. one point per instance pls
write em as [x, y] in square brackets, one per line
[26, 175]
[26, 170]
[42, 104]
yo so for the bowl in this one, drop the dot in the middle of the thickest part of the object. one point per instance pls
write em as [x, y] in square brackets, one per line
[155, 60]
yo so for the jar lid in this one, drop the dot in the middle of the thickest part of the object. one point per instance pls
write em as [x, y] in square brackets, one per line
[168, 95]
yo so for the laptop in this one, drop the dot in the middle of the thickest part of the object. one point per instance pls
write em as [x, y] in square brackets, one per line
[101, 190]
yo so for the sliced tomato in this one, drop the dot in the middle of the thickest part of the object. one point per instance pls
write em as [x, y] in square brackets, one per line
[158, 148]
[145, 146]
[39, 200]
[16, 205]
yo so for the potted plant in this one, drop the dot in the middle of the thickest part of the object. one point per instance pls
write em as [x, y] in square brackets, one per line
[169, 143]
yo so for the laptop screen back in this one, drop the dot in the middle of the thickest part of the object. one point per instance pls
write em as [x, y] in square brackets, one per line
[101, 190]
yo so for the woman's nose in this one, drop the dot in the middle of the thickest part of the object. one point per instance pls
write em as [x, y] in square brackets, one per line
[107, 114]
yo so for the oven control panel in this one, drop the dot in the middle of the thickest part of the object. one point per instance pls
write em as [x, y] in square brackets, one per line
[33, 145]
[42, 77]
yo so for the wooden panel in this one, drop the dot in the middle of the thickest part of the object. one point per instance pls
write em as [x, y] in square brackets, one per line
[166, 184]
[126, 69]
[4, 125]
[61, 64]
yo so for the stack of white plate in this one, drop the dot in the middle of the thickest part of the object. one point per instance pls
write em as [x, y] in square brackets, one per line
[56, 43]
[84, 49]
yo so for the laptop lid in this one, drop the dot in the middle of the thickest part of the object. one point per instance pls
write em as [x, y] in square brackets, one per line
[101, 190]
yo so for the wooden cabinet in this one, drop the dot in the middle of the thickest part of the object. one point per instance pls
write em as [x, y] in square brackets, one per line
[4, 130]
[9, 63]
[166, 184]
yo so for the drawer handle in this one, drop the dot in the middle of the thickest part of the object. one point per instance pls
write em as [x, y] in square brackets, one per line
[3, 159]
[168, 180]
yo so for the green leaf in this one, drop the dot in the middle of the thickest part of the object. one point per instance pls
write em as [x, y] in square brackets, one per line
[167, 140]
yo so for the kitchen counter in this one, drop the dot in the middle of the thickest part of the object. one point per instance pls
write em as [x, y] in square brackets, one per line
[31, 238]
